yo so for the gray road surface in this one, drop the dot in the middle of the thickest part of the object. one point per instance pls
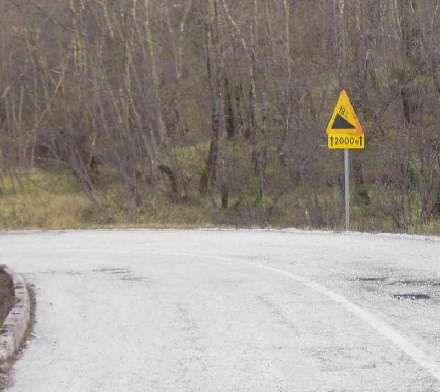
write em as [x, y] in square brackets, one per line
[209, 310]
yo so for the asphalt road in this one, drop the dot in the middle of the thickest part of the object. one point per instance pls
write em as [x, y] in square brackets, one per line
[210, 310]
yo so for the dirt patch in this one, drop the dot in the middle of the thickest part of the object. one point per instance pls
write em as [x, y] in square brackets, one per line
[7, 298]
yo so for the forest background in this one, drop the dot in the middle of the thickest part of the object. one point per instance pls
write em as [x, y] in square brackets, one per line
[171, 113]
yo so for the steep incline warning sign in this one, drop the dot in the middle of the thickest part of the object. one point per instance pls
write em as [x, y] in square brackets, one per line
[344, 120]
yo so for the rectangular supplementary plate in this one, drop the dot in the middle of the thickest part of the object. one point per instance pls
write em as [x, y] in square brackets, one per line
[342, 142]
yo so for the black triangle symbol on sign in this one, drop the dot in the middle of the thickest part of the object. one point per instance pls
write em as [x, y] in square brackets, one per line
[342, 123]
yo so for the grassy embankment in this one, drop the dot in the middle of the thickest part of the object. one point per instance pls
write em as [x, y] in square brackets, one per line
[50, 199]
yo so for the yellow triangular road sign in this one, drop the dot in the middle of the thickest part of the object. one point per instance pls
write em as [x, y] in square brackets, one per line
[344, 120]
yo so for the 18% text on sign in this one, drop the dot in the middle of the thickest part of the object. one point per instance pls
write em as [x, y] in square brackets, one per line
[344, 131]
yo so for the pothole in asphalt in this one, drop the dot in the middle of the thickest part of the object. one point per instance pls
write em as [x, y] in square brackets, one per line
[120, 272]
[115, 271]
[372, 279]
[124, 275]
[411, 296]
[412, 282]
[134, 278]
[60, 272]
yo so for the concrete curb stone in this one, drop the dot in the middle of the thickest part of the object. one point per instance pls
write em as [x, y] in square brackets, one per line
[17, 321]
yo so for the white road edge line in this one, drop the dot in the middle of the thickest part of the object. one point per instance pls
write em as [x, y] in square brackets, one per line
[384, 329]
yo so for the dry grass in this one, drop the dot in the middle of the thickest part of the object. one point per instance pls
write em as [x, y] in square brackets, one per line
[42, 210]
[50, 200]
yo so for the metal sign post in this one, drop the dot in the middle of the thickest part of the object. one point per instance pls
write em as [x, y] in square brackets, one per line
[347, 191]
[344, 132]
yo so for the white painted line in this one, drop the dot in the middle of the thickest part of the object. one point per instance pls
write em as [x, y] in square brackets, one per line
[384, 329]
[430, 364]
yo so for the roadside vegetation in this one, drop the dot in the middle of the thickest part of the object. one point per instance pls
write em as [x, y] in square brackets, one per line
[190, 113]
